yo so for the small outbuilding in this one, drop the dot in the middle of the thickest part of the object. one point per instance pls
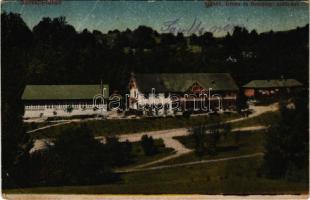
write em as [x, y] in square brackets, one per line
[271, 88]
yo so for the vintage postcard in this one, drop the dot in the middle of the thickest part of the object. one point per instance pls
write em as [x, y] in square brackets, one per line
[154, 99]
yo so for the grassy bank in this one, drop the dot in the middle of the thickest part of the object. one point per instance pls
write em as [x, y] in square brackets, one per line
[228, 177]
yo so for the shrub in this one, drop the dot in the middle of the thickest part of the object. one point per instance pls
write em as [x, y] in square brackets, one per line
[212, 140]
[148, 145]
[76, 158]
[199, 135]
[119, 152]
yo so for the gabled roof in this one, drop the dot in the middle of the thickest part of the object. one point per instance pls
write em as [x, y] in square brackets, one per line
[63, 92]
[182, 82]
[278, 83]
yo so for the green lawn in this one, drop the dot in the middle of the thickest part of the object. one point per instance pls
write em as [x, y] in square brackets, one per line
[249, 143]
[227, 177]
[265, 119]
[125, 126]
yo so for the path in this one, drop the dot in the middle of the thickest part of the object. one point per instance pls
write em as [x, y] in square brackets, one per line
[167, 135]
[62, 122]
[180, 149]
[48, 126]
[250, 128]
[190, 163]
[257, 110]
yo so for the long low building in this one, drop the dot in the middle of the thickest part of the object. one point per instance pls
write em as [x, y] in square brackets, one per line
[190, 91]
[271, 88]
[42, 101]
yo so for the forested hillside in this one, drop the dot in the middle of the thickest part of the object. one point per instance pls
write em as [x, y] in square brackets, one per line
[58, 54]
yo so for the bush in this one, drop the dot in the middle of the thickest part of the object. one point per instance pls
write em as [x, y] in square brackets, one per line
[119, 152]
[212, 140]
[199, 135]
[205, 143]
[148, 145]
[76, 158]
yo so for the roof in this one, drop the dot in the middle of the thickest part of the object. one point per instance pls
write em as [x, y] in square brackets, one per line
[182, 82]
[63, 92]
[278, 83]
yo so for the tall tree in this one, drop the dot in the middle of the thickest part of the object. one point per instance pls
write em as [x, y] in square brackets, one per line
[287, 142]
[16, 50]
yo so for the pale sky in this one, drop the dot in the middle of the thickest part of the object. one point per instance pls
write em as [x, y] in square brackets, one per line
[110, 15]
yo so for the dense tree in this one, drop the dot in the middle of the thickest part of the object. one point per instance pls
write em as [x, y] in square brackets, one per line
[199, 136]
[143, 37]
[213, 138]
[148, 145]
[206, 139]
[76, 158]
[81, 158]
[16, 51]
[168, 39]
[119, 152]
[62, 55]
[287, 143]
